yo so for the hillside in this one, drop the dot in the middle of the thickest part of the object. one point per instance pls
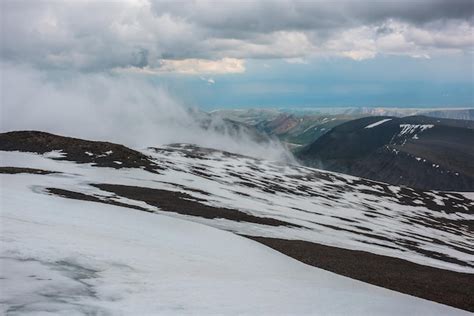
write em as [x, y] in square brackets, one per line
[410, 241]
[457, 114]
[417, 151]
[294, 129]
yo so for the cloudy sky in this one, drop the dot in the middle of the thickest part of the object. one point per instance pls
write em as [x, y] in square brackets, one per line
[284, 53]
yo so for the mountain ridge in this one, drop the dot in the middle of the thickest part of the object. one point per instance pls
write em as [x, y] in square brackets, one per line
[417, 151]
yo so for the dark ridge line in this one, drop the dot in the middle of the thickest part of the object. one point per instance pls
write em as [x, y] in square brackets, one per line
[435, 284]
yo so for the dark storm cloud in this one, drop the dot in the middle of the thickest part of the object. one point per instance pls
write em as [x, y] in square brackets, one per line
[278, 15]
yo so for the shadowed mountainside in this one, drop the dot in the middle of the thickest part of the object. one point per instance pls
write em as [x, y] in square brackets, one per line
[417, 151]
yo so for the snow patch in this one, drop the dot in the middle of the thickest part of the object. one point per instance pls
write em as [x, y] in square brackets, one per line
[55, 154]
[414, 128]
[378, 123]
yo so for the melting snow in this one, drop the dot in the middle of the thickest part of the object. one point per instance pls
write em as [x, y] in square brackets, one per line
[307, 199]
[54, 154]
[67, 257]
[412, 128]
[378, 123]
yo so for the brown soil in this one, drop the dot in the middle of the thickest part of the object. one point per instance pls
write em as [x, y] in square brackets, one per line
[15, 170]
[182, 203]
[434, 284]
[85, 197]
[169, 201]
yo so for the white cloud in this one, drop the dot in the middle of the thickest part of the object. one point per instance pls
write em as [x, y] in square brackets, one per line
[357, 43]
[359, 54]
[125, 109]
[201, 66]
[208, 80]
[215, 37]
[398, 38]
[190, 66]
[297, 60]
[450, 36]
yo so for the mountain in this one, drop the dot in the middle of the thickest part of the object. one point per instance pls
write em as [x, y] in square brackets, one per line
[381, 111]
[450, 113]
[295, 129]
[301, 126]
[248, 116]
[227, 125]
[64, 257]
[84, 229]
[457, 114]
[301, 130]
[417, 151]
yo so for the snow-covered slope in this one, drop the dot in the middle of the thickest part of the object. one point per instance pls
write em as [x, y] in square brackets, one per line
[226, 191]
[72, 257]
[430, 228]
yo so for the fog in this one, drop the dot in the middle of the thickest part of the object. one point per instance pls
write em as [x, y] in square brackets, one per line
[124, 109]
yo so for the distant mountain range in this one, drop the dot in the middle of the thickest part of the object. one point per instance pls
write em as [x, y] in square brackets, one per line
[417, 151]
[297, 131]
[457, 114]
[294, 129]
[299, 127]
[463, 114]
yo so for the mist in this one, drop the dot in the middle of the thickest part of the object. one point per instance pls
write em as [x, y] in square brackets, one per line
[124, 109]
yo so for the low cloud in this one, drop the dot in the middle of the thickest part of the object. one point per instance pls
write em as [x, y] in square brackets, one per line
[190, 66]
[122, 109]
[208, 80]
[199, 66]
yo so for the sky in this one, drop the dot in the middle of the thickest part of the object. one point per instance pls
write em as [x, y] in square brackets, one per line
[279, 53]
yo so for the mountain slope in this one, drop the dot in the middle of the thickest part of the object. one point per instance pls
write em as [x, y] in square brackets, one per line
[61, 257]
[416, 242]
[301, 130]
[295, 129]
[417, 151]
[457, 114]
